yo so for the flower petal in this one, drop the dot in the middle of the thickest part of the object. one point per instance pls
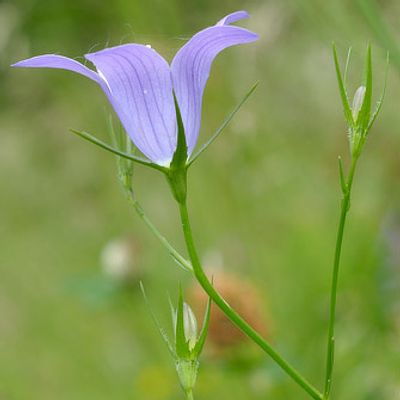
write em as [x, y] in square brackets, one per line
[59, 62]
[140, 85]
[234, 17]
[191, 67]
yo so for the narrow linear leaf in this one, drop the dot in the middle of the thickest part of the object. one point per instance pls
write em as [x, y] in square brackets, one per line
[342, 90]
[224, 124]
[204, 330]
[341, 175]
[156, 322]
[346, 68]
[375, 18]
[330, 368]
[112, 134]
[380, 101]
[177, 257]
[105, 146]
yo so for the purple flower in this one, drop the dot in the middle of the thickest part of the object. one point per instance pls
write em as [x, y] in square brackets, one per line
[140, 84]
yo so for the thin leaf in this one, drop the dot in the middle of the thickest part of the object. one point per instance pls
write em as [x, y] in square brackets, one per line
[224, 124]
[105, 146]
[375, 18]
[173, 312]
[121, 142]
[346, 68]
[380, 101]
[342, 90]
[181, 344]
[341, 175]
[204, 330]
[112, 134]
[157, 324]
[171, 250]
[330, 368]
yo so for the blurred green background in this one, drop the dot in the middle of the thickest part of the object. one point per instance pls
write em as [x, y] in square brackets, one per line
[264, 201]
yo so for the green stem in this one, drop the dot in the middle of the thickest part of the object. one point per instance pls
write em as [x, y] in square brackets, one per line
[345, 206]
[189, 395]
[175, 254]
[231, 313]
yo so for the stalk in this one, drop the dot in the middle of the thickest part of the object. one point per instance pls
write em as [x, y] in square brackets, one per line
[189, 395]
[231, 313]
[345, 206]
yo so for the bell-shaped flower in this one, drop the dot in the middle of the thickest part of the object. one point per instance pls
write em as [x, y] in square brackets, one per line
[141, 85]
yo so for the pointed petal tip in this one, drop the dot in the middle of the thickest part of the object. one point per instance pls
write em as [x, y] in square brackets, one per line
[233, 17]
[253, 36]
[27, 63]
[40, 61]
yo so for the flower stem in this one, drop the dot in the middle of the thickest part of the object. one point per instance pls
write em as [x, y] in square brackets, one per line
[231, 313]
[189, 395]
[345, 207]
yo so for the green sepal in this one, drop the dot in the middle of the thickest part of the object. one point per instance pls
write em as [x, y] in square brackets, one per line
[177, 179]
[181, 153]
[380, 101]
[157, 324]
[105, 146]
[204, 330]
[177, 172]
[343, 93]
[224, 124]
[363, 117]
[181, 344]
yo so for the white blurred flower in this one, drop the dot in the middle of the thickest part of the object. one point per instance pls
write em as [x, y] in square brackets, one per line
[120, 260]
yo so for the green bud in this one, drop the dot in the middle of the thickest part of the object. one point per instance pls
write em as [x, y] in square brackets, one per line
[188, 343]
[359, 115]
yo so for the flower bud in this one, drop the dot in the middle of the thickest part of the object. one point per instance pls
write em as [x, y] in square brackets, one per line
[358, 101]
[190, 325]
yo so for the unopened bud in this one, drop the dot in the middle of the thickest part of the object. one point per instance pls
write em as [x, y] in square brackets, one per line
[190, 325]
[358, 101]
